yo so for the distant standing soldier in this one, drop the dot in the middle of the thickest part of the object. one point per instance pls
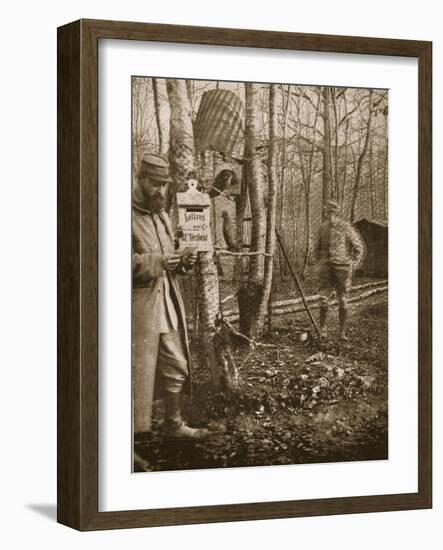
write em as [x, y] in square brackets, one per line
[339, 251]
[160, 344]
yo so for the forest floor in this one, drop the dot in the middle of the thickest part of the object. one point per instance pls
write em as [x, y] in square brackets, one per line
[296, 404]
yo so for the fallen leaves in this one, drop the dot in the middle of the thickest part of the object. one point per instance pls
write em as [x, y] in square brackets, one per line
[293, 406]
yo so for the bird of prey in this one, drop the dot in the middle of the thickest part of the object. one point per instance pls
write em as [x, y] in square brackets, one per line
[229, 232]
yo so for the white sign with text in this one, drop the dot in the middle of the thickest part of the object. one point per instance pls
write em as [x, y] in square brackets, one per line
[193, 220]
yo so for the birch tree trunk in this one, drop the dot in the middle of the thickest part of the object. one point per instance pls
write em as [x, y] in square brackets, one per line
[385, 171]
[342, 196]
[281, 197]
[181, 158]
[181, 146]
[360, 161]
[371, 182]
[240, 210]
[257, 327]
[327, 157]
[254, 178]
[307, 189]
[334, 175]
[159, 92]
[250, 290]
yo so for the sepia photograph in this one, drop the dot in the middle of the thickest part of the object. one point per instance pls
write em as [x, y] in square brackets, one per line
[259, 274]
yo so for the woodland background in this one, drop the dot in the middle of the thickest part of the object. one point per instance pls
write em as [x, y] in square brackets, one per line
[30, 505]
[271, 156]
[331, 143]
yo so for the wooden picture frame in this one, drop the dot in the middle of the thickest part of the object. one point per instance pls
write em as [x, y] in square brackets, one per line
[78, 274]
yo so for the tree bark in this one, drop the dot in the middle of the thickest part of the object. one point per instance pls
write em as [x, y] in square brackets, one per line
[141, 138]
[181, 149]
[281, 195]
[334, 176]
[250, 291]
[342, 196]
[254, 180]
[181, 158]
[361, 157]
[270, 215]
[307, 188]
[371, 181]
[240, 209]
[386, 171]
[327, 157]
[208, 309]
[159, 86]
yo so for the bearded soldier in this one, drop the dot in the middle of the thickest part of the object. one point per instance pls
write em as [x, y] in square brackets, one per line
[160, 344]
[340, 250]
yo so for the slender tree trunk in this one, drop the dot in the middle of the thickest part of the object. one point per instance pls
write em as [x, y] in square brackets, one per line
[250, 292]
[141, 120]
[190, 90]
[158, 85]
[386, 173]
[345, 161]
[285, 123]
[361, 157]
[181, 147]
[371, 177]
[255, 186]
[296, 220]
[335, 173]
[385, 184]
[308, 188]
[209, 303]
[240, 210]
[327, 158]
[181, 158]
[281, 196]
[378, 186]
[307, 253]
[271, 213]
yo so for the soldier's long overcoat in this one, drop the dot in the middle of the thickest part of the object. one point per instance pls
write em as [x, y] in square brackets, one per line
[152, 240]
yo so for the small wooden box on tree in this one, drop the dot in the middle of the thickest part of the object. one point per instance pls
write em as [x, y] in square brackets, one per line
[194, 219]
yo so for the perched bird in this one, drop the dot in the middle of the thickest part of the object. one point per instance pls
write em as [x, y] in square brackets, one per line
[224, 180]
[229, 232]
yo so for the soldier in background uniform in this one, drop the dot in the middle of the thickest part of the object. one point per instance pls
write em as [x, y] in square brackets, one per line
[339, 251]
[160, 343]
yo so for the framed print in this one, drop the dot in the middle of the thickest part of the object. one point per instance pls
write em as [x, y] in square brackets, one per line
[244, 275]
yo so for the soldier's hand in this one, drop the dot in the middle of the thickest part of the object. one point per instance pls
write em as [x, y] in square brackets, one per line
[171, 262]
[190, 260]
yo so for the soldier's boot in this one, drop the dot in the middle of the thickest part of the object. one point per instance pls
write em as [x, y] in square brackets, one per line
[174, 425]
[323, 318]
[343, 318]
[140, 464]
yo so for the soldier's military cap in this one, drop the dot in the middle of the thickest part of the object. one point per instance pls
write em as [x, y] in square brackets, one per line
[155, 167]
